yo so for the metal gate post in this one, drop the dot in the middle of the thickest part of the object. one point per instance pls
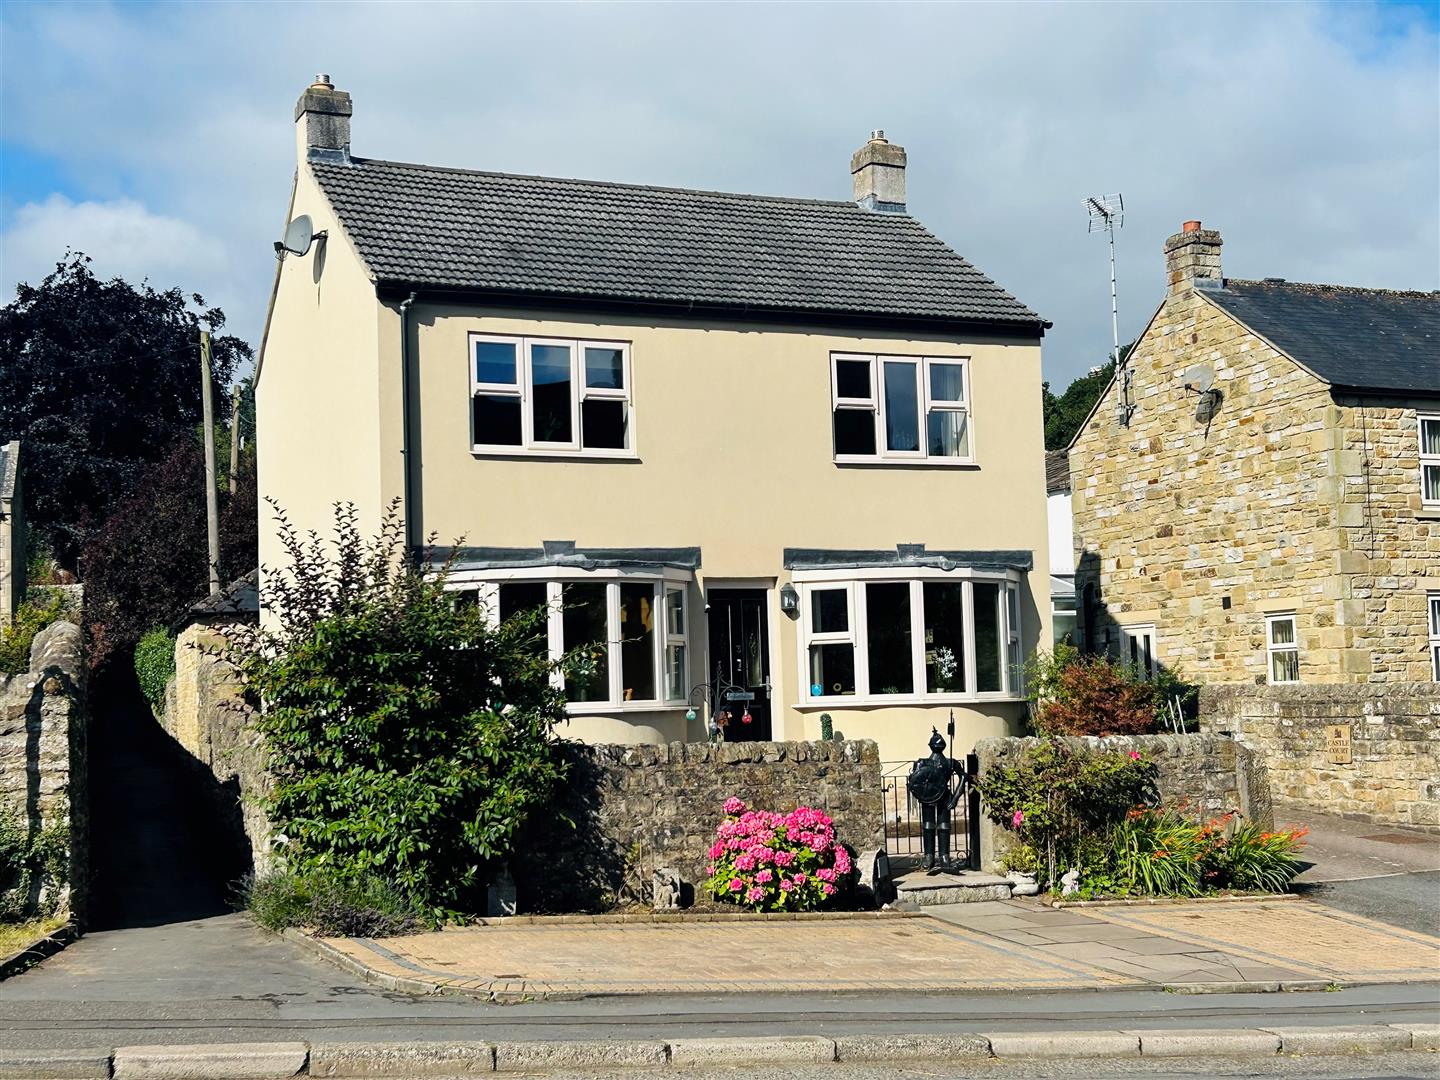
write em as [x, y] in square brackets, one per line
[972, 811]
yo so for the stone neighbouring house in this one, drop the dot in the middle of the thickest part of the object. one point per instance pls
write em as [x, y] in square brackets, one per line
[12, 533]
[1269, 508]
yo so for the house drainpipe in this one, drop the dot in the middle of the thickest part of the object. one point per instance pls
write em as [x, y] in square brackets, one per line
[411, 545]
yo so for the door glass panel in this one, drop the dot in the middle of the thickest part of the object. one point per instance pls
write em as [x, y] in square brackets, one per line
[551, 393]
[947, 382]
[603, 424]
[832, 669]
[855, 432]
[902, 406]
[604, 368]
[944, 637]
[496, 419]
[887, 624]
[852, 379]
[987, 636]
[637, 642]
[830, 611]
[584, 622]
[495, 362]
[948, 433]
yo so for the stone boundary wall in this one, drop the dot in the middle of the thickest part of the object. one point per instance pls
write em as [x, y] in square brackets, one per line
[1394, 773]
[43, 741]
[1209, 773]
[639, 807]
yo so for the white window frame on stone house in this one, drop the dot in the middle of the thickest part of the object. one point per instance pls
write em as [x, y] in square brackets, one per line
[1427, 430]
[522, 390]
[1138, 649]
[927, 405]
[1275, 650]
[1433, 603]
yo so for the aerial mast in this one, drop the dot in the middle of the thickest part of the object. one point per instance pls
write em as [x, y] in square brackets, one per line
[1107, 212]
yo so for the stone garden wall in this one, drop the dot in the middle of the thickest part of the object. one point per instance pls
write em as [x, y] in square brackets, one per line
[1393, 776]
[1208, 773]
[636, 808]
[43, 745]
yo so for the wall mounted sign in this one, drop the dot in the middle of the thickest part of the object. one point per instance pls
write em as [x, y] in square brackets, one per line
[1337, 744]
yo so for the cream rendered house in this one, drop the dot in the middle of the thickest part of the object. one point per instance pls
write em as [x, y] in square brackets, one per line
[775, 457]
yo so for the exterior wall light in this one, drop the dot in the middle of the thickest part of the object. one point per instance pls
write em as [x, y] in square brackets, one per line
[790, 600]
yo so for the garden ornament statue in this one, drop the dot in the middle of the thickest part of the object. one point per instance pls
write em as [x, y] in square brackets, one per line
[936, 782]
[1070, 882]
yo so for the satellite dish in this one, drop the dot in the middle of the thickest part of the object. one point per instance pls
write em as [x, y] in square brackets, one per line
[299, 235]
[1199, 378]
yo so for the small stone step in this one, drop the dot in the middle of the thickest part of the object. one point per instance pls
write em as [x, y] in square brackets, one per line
[965, 887]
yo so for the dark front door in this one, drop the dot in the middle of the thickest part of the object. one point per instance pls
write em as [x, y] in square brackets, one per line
[740, 662]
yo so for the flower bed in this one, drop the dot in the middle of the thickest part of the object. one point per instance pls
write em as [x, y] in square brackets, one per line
[769, 861]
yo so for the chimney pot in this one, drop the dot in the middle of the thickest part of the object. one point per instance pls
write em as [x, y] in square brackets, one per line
[1192, 259]
[877, 173]
[322, 82]
[1190, 226]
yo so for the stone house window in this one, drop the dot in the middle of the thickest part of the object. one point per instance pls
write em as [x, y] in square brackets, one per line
[1430, 461]
[1434, 599]
[538, 396]
[1137, 649]
[901, 408]
[1282, 648]
[893, 640]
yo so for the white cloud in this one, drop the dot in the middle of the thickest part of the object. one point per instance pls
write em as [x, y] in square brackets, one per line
[1308, 133]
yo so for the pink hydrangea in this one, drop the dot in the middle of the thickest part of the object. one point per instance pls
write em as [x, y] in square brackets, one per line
[1017, 819]
[736, 885]
[843, 864]
[765, 875]
[745, 862]
[785, 885]
[756, 894]
[828, 889]
[798, 879]
[825, 873]
[734, 806]
[784, 858]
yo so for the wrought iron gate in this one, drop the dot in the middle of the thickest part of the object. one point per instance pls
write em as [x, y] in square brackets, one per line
[902, 816]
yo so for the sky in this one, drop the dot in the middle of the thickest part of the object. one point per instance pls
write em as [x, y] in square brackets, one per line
[158, 138]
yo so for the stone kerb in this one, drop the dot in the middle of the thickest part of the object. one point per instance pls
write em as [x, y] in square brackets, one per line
[1208, 773]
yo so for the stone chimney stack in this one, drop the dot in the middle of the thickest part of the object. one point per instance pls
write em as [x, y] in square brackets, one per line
[322, 123]
[1192, 259]
[877, 170]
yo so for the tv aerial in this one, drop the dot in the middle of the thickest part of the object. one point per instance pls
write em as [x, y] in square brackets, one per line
[1107, 213]
[299, 235]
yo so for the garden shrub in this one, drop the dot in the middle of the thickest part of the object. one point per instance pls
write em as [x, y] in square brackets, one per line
[1251, 859]
[155, 664]
[34, 866]
[777, 862]
[30, 618]
[1159, 853]
[331, 907]
[407, 739]
[1096, 696]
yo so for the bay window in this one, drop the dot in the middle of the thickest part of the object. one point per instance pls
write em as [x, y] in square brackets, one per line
[900, 408]
[549, 395]
[629, 632]
[893, 638]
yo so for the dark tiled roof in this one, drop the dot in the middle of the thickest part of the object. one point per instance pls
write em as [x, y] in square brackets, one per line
[9, 468]
[452, 229]
[240, 598]
[1365, 339]
[1057, 472]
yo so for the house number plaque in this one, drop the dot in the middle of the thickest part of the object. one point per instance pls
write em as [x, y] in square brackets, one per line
[1337, 744]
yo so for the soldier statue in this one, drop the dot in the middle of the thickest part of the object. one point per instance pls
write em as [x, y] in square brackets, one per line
[936, 782]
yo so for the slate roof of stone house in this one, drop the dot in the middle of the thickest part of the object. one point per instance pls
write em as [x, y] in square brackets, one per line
[420, 225]
[1057, 472]
[239, 599]
[1363, 339]
[9, 468]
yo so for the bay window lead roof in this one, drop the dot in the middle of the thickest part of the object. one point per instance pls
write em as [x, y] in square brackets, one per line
[906, 555]
[543, 237]
[564, 553]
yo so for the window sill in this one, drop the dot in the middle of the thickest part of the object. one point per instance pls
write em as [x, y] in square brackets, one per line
[600, 708]
[1429, 513]
[909, 701]
[519, 453]
[907, 462]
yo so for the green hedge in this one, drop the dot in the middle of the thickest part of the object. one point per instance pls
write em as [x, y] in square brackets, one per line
[155, 664]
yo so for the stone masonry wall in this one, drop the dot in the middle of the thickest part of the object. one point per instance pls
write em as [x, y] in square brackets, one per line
[43, 741]
[1206, 773]
[1394, 774]
[639, 807]
[1287, 500]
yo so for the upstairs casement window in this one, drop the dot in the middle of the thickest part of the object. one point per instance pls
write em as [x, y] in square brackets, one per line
[901, 408]
[1282, 648]
[889, 641]
[1430, 461]
[631, 632]
[533, 395]
[1434, 603]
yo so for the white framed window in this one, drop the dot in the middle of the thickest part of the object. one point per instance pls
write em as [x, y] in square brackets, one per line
[1282, 648]
[1430, 461]
[1434, 601]
[1137, 649]
[634, 628]
[901, 408]
[884, 638]
[532, 395]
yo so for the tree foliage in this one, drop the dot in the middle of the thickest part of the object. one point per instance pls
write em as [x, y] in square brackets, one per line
[408, 740]
[99, 379]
